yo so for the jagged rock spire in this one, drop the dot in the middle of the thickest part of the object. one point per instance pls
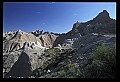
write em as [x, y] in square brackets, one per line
[104, 15]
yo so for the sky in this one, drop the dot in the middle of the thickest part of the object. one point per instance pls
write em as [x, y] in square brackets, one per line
[57, 17]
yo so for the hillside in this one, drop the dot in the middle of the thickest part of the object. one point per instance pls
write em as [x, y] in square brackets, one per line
[87, 51]
[101, 24]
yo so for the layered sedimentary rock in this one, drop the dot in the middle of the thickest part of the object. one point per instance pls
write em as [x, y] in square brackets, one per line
[15, 41]
[21, 52]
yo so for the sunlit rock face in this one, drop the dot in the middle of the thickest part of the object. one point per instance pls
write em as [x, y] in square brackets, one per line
[14, 41]
[21, 52]
[22, 62]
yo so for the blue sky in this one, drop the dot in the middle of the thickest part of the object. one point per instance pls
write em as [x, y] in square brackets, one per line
[57, 17]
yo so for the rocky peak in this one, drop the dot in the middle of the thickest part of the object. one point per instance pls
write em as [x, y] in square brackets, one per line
[102, 17]
[20, 32]
[102, 23]
[37, 31]
[104, 14]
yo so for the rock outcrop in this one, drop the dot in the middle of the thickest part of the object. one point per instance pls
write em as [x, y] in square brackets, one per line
[22, 63]
[47, 39]
[21, 52]
[101, 24]
[15, 41]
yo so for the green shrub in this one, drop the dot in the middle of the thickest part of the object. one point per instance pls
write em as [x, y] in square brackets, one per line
[99, 44]
[103, 62]
[70, 70]
[53, 51]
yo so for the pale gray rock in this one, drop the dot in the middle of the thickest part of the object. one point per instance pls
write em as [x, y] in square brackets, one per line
[23, 62]
[17, 40]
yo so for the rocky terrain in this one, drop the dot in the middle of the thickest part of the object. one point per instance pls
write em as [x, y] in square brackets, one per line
[39, 54]
[30, 45]
[101, 24]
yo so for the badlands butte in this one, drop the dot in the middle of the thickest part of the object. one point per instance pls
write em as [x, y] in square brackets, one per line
[87, 51]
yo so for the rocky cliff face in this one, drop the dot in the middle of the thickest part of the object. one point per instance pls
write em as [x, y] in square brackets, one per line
[47, 39]
[101, 24]
[21, 51]
[14, 40]
[22, 63]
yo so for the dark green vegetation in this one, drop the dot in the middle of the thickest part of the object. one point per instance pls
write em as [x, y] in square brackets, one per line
[101, 64]
[60, 65]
